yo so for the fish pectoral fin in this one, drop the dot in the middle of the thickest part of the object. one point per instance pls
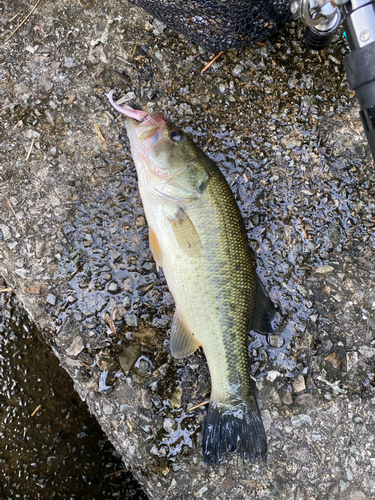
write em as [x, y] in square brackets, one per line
[264, 310]
[155, 248]
[183, 343]
[186, 235]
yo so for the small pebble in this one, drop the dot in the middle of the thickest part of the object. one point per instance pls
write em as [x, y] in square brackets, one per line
[299, 384]
[287, 399]
[112, 287]
[51, 299]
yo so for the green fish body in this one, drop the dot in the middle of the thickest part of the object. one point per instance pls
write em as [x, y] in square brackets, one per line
[198, 237]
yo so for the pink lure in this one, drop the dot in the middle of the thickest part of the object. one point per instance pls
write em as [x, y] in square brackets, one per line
[127, 110]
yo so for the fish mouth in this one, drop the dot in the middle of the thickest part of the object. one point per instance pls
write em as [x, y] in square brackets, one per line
[149, 131]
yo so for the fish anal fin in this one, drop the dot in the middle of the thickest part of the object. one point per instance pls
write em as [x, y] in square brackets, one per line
[264, 310]
[155, 248]
[183, 343]
[186, 235]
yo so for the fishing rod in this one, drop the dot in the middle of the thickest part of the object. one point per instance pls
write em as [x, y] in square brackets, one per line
[322, 19]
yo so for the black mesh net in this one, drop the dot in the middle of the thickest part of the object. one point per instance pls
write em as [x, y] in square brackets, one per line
[220, 24]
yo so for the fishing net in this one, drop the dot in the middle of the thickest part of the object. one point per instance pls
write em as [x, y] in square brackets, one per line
[220, 24]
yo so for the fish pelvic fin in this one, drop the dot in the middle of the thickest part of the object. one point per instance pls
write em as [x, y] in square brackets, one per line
[183, 343]
[235, 429]
[264, 311]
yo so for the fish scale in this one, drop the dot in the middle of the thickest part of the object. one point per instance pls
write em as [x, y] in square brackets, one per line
[198, 237]
[218, 297]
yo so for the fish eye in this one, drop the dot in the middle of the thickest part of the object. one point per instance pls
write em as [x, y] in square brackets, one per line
[177, 135]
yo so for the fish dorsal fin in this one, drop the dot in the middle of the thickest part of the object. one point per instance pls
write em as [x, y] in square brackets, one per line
[186, 234]
[155, 248]
[264, 310]
[183, 343]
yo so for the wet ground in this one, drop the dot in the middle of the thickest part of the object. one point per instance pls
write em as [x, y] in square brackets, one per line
[283, 125]
[51, 447]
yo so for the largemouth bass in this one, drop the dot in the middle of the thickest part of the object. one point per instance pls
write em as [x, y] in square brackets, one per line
[198, 237]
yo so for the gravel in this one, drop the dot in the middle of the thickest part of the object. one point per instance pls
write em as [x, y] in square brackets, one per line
[284, 127]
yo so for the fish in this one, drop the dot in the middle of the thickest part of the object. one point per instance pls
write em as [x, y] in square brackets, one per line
[198, 237]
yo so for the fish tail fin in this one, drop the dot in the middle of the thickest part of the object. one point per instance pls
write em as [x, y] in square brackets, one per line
[234, 428]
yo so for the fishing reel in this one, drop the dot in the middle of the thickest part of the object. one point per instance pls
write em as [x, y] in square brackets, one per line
[322, 19]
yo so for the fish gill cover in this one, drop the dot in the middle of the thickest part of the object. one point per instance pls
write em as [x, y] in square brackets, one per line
[219, 25]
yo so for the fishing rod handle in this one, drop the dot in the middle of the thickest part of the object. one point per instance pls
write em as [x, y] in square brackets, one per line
[359, 64]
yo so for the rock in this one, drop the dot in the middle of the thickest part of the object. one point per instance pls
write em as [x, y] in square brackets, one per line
[102, 383]
[238, 69]
[148, 266]
[69, 62]
[51, 299]
[169, 425]
[129, 356]
[301, 419]
[307, 400]
[76, 347]
[144, 365]
[299, 384]
[128, 285]
[113, 287]
[39, 247]
[267, 420]
[287, 399]
[175, 399]
[131, 320]
[324, 269]
[22, 273]
[367, 352]
[275, 341]
[140, 221]
[162, 322]
[351, 360]
[5, 231]
[168, 299]
[296, 250]
[272, 375]
[334, 360]
[34, 289]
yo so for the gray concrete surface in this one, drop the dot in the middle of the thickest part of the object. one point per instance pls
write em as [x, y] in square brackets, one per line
[283, 125]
